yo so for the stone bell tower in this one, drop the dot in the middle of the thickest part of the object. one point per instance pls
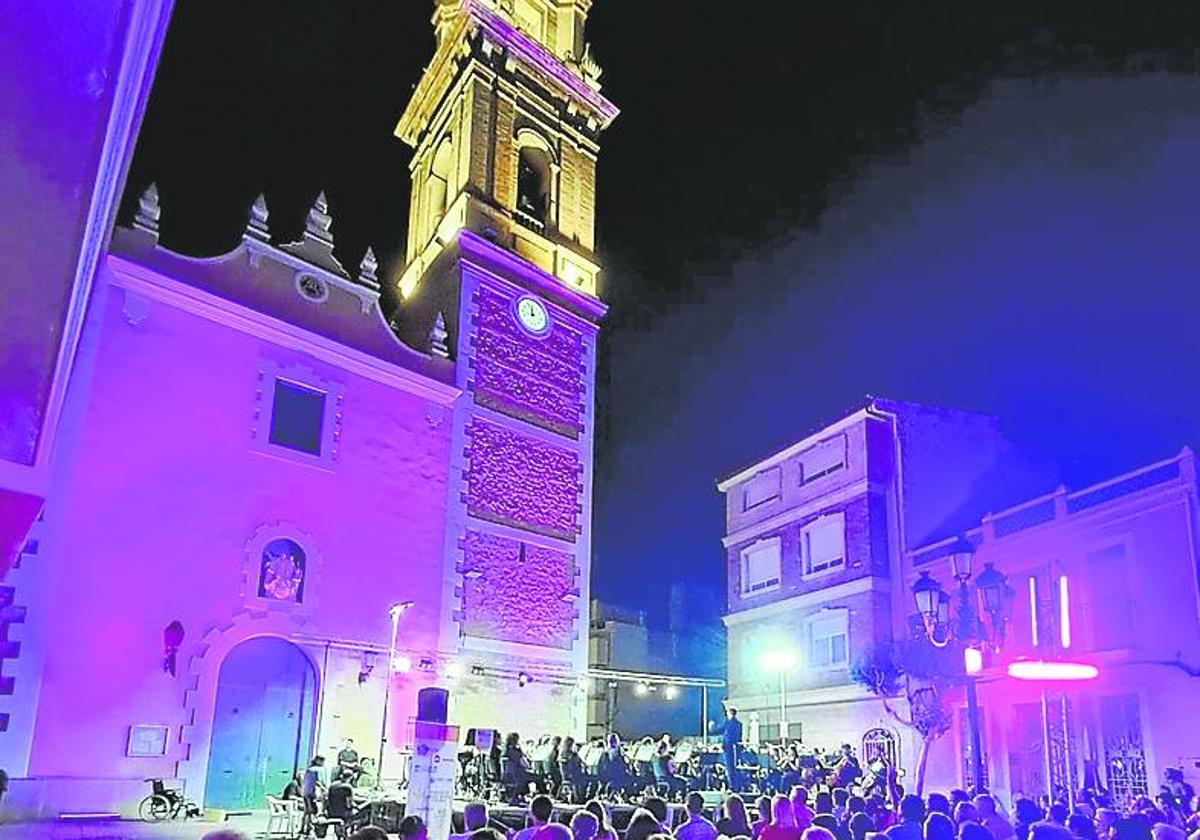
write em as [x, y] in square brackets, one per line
[502, 277]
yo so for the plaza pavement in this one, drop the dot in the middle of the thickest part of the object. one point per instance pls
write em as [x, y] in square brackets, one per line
[252, 826]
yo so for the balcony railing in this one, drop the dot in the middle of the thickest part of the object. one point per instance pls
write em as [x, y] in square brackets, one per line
[532, 222]
[1060, 504]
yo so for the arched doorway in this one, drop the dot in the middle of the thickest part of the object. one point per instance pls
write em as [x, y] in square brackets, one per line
[262, 724]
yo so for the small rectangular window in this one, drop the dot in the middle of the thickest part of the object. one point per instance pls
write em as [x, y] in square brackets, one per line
[760, 567]
[823, 544]
[761, 489]
[828, 640]
[826, 457]
[297, 417]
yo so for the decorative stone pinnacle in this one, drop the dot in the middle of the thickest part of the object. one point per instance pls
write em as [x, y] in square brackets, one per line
[319, 220]
[437, 337]
[367, 269]
[148, 210]
[258, 219]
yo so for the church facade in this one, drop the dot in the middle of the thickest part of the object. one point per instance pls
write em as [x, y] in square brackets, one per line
[276, 515]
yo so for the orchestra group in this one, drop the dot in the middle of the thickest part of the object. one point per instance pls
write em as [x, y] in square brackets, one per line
[513, 769]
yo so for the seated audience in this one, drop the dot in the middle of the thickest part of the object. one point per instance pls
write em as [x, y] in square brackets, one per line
[541, 807]
[733, 821]
[584, 825]
[475, 817]
[696, 826]
[643, 825]
[783, 821]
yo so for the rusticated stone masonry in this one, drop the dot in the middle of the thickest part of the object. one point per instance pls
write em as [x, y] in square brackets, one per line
[536, 379]
[516, 592]
[519, 480]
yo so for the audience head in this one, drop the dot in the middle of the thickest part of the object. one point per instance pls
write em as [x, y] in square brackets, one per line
[642, 826]
[1081, 827]
[959, 795]
[1162, 831]
[840, 797]
[782, 815]
[540, 808]
[584, 825]
[938, 827]
[225, 834]
[1046, 830]
[817, 832]
[657, 806]
[1026, 811]
[475, 816]
[412, 827]
[823, 804]
[828, 822]
[735, 810]
[487, 834]
[369, 832]
[912, 809]
[856, 805]
[1129, 828]
[513, 740]
[614, 741]
[800, 794]
[939, 803]
[695, 804]
[600, 811]
[965, 812]
[860, 826]
[971, 830]
[985, 805]
[1059, 813]
[763, 805]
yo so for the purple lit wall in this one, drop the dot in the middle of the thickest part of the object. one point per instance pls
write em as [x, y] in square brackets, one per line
[517, 592]
[159, 520]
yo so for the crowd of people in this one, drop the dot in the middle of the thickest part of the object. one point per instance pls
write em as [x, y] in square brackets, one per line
[845, 813]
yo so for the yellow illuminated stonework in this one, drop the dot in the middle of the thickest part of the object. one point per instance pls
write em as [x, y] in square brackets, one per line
[506, 124]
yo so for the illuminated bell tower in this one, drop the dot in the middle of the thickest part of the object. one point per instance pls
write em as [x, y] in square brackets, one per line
[501, 278]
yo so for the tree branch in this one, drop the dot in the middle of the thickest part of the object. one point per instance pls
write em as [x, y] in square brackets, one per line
[887, 707]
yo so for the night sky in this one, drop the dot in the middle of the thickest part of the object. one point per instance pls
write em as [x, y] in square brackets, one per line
[800, 204]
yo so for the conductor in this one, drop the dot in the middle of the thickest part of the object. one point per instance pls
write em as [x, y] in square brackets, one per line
[731, 738]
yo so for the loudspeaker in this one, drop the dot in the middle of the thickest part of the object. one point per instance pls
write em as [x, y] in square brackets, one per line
[433, 704]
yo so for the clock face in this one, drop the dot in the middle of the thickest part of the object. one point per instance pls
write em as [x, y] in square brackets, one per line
[533, 315]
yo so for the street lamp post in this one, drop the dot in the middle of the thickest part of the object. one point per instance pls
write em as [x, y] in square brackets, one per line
[781, 661]
[992, 596]
[394, 612]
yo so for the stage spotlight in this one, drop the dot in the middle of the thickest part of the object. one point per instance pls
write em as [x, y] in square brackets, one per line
[477, 671]
[524, 679]
[670, 692]
[454, 669]
[641, 689]
[401, 665]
